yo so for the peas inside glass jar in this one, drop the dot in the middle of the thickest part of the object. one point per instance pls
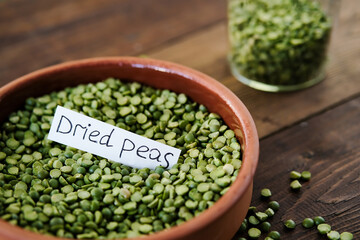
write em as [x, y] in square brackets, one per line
[278, 45]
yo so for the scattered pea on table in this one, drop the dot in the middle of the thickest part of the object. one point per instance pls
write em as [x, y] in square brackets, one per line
[290, 224]
[254, 233]
[346, 236]
[274, 205]
[274, 235]
[323, 228]
[306, 175]
[265, 192]
[308, 223]
[318, 220]
[295, 185]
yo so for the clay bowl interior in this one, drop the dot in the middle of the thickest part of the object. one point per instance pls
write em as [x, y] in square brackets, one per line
[223, 219]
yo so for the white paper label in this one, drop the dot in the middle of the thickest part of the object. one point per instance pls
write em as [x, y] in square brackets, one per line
[116, 144]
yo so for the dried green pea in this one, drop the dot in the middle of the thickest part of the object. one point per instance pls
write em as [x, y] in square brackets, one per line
[323, 228]
[318, 220]
[346, 236]
[295, 175]
[274, 205]
[265, 192]
[333, 235]
[253, 220]
[290, 224]
[308, 223]
[254, 233]
[265, 226]
[261, 216]
[306, 175]
[295, 185]
[274, 235]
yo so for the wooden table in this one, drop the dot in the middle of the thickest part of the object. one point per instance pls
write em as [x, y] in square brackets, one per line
[317, 129]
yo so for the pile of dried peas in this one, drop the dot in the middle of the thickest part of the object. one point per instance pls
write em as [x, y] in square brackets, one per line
[54, 189]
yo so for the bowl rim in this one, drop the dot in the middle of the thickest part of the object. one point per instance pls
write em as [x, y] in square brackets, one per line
[250, 153]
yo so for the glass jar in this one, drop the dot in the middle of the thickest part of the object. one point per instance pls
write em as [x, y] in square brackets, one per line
[279, 45]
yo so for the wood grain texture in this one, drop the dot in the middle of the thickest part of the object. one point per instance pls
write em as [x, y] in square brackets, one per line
[55, 31]
[327, 146]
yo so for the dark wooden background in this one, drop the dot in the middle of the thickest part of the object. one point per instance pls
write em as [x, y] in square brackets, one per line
[316, 129]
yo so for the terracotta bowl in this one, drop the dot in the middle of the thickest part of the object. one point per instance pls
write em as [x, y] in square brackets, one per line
[223, 219]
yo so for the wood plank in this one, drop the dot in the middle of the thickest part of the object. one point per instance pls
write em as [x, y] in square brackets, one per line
[57, 31]
[19, 17]
[328, 146]
[206, 51]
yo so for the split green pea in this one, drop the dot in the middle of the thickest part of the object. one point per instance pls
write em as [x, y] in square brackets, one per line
[54, 189]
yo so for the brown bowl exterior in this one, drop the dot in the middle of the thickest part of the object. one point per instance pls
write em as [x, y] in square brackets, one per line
[221, 221]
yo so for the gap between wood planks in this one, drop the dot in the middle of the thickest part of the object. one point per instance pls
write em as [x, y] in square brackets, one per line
[315, 114]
